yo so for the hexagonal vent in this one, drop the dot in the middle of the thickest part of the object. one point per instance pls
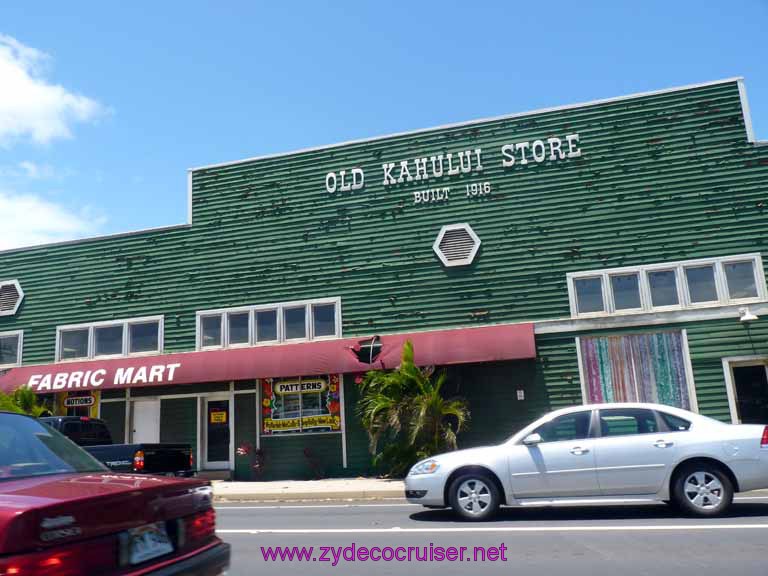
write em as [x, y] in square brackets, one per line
[456, 245]
[11, 296]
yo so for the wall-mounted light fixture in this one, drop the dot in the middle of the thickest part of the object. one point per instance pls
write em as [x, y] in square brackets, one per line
[746, 315]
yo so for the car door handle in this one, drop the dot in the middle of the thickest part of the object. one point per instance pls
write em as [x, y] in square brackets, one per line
[662, 444]
[578, 450]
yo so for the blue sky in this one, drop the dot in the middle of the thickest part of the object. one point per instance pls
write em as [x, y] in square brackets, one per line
[104, 105]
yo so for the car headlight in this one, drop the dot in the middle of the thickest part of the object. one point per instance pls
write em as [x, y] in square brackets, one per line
[426, 467]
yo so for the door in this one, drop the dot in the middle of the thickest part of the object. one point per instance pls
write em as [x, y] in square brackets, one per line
[751, 387]
[561, 465]
[146, 422]
[216, 427]
[634, 455]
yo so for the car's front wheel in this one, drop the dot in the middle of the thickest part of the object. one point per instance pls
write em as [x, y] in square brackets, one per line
[703, 490]
[474, 496]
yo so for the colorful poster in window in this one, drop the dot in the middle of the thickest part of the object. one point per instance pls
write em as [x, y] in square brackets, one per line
[293, 405]
[636, 368]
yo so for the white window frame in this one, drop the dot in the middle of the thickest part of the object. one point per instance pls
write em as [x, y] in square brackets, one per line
[20, 352]
[279, 307]
[683, 295]
[126, 324]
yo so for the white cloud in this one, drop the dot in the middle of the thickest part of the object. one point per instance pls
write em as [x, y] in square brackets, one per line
[30, 106]
[27, 219]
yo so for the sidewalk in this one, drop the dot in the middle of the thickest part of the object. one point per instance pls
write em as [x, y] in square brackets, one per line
[288, 490]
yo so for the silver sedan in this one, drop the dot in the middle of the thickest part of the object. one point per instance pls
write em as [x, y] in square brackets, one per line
[607, 453]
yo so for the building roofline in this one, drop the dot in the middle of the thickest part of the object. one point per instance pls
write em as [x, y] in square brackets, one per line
[738, 79]
[94, 238]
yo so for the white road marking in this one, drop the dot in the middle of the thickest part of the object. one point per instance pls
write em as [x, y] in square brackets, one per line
[404, 505]
[615, 528]
[288, 506]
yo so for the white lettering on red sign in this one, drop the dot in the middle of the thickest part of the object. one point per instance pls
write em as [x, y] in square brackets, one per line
[77, 379]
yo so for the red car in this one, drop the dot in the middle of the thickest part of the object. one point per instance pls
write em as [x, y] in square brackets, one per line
[63, 513]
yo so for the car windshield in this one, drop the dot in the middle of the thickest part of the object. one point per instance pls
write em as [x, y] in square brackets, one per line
[30, 448]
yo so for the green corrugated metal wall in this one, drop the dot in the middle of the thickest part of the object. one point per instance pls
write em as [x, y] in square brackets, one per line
[661, 177]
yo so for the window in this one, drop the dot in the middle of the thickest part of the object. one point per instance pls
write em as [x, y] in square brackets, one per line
[701, 283]
[74, 344]
[10, 349]
[671, 286]
[144, 337]
[567, 427]
[324, 320]
[648, 367]
[266, 325]
[238, 324]
[112, 338]
[108, 340]
[270, 323]
[589, 294]
[627, 421]
[295, 322]
[626, 291]
[741, 279]
[301, 405]
[210, 330]
[674, 423]
[663, 288]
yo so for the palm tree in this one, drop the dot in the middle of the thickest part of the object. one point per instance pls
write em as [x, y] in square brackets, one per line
[24, 401]
[407, 408]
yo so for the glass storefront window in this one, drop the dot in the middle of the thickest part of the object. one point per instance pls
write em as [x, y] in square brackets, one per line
[293, 405]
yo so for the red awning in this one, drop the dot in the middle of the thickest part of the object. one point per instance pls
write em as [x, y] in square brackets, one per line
[440, 348]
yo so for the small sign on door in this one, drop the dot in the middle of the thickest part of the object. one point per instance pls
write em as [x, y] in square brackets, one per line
[218, 417]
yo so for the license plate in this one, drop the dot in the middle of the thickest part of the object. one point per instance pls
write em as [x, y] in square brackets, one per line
[147, 542]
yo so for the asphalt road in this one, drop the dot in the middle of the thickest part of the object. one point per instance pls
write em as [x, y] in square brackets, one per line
[594, 541]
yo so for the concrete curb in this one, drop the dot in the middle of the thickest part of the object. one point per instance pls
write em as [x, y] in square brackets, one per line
[310, 497]
[320, 491]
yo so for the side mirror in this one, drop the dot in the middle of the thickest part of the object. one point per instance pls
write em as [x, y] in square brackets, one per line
[532, 439]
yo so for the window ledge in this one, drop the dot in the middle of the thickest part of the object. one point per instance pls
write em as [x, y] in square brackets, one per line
[759, 308]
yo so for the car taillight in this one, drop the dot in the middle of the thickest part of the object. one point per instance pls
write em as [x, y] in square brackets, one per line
[96, 556]
[138, 461]
[200, 526]
[191, 461]
[764, 440]
[67, 563]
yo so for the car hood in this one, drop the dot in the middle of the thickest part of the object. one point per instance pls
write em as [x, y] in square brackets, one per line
[479, 455]
[48, 510]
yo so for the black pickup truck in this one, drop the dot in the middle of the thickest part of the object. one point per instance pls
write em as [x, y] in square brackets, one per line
[93, 435]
